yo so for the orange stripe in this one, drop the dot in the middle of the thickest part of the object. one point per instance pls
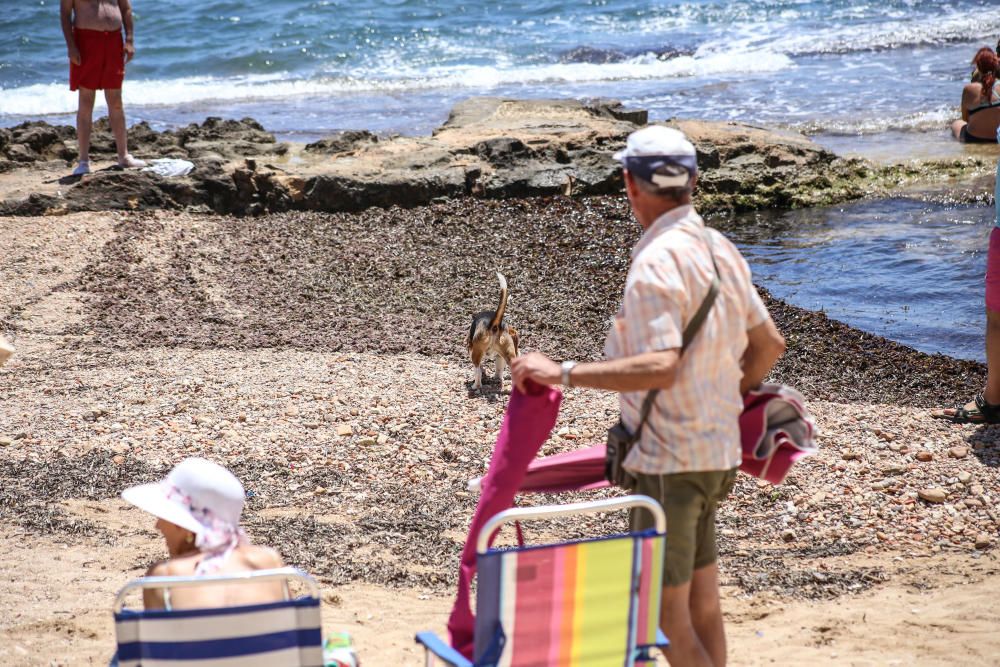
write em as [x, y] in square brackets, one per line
[568, 606]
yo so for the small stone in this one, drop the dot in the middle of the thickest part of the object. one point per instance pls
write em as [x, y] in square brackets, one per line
[311, 425]
[983, 541]
[976, 489]
[972, 503]
[958, 452]
[382, 438]
[965, 477]
[924, 457]
[292, 411]
[118, 459]
[849, 455]
[5, 441]
[893, 470]
[367, 442]
[882, 537]
[354, 412]
[242, 417]
[933, 495]
[344, 429]
[788, 535]
[320, 490]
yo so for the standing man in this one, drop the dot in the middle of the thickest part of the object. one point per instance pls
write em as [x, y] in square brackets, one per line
[97, 57]
[689, 448]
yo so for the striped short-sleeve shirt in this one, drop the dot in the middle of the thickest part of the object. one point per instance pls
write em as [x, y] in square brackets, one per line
[693, 425]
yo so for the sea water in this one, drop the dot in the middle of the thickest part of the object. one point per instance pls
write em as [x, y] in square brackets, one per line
[907, 269]
[308, 67]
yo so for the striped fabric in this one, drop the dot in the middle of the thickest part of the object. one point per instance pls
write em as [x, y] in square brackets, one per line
[277, 634]
[694, 424]
[589, 604]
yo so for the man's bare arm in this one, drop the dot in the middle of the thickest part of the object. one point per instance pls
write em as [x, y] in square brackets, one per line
[125, 7]
[66, 19]
[652, 370]
[765, 345]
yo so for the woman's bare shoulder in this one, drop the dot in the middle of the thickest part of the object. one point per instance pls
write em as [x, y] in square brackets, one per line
[261, 557]
[173, 567]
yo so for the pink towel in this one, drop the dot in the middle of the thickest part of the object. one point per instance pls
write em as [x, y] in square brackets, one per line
[776, 430]
[526, 425]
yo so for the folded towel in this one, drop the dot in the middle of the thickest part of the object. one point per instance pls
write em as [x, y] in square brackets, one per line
[776, 430]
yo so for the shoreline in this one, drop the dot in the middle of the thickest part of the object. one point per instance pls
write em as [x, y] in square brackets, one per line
[489, 148]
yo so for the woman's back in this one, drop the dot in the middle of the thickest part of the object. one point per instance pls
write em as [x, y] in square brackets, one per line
[244, 558]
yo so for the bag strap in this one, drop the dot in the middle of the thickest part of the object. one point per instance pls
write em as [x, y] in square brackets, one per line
[690, 331]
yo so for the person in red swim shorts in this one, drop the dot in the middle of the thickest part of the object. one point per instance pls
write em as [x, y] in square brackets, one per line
[97, 57]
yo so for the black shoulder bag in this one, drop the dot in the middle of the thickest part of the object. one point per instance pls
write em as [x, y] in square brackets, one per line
[620, 441]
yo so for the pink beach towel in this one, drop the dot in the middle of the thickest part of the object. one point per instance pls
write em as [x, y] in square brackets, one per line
[526, 425]
[776, 430]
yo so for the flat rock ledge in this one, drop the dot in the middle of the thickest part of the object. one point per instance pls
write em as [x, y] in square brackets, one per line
[488, 148]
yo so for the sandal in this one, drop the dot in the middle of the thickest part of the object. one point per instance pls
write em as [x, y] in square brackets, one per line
[983, 413]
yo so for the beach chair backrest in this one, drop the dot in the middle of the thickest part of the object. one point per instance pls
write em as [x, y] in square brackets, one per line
[588, 603]
[287, 633]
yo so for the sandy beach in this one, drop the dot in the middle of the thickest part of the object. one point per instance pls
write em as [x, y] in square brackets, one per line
[145, 337]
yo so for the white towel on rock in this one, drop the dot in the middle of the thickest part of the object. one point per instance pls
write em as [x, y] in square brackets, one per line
[168, 167]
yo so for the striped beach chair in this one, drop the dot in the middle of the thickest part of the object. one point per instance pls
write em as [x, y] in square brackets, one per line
[589, 603]
[276, 634]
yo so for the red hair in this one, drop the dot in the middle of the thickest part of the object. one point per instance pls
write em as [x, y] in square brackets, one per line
[986, 63]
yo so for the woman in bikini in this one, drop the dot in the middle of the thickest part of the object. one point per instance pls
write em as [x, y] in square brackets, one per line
[980, 103]
[198, 509]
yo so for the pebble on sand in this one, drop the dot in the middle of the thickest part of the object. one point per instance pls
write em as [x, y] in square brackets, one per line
[934, 495]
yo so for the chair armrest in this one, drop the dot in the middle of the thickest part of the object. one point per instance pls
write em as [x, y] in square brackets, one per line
[443, 651]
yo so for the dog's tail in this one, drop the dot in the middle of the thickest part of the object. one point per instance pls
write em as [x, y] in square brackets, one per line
[498, 315]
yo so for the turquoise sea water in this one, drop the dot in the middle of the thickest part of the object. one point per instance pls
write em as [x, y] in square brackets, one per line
[309, 66]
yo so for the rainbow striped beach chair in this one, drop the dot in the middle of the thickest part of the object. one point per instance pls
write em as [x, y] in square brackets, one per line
[590, 603]
[276, 634]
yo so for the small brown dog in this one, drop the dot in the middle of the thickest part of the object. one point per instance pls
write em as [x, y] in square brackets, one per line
[490, 336]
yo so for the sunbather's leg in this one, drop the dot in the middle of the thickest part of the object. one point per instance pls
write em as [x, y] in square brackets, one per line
[706, 613]
[686, 649]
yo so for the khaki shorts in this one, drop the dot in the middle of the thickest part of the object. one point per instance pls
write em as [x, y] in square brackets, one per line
[689, 500]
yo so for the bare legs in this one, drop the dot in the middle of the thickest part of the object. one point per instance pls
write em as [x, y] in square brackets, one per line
[116, 116]
[691, 618]
[956, 128]
[84, 122]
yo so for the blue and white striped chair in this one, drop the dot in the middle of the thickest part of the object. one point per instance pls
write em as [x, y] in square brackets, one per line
[275, 634]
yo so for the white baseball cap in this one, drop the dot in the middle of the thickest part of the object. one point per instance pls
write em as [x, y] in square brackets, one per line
[660, 155]
[196, 494]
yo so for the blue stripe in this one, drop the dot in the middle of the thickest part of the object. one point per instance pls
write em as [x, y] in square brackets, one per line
[220, 648]
[134, 614]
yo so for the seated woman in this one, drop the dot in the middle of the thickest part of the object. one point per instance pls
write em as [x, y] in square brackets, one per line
[198, 508]
[980, 104]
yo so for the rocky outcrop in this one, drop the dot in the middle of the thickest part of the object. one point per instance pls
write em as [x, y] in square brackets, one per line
[488, 148]
[37, 141]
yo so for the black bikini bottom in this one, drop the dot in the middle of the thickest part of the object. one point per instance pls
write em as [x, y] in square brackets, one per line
[972, 139]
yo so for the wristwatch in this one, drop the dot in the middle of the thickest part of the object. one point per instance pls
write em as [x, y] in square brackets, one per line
[567, 367]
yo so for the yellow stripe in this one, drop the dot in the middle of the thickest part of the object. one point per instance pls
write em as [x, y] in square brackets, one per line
[604, 583]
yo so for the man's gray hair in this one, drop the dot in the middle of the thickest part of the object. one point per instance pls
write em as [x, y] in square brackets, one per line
[676, 192]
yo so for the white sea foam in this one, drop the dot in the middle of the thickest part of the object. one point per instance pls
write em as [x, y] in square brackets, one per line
[42, 99]
[921, 121]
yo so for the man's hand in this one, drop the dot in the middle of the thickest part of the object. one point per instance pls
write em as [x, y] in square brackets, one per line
[535, 366]
[129, 51]
[74, 54]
